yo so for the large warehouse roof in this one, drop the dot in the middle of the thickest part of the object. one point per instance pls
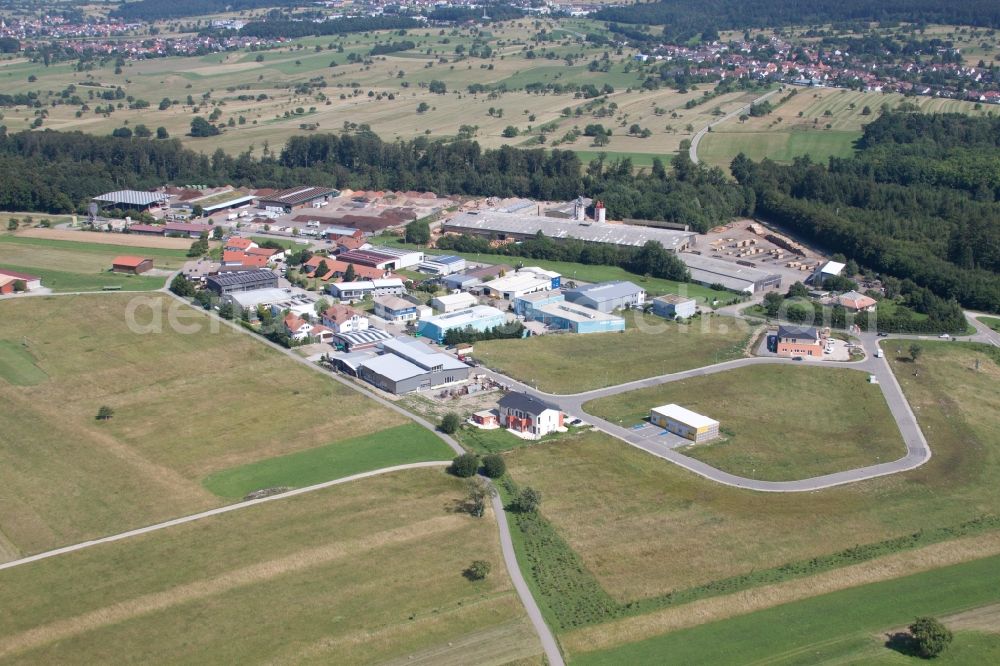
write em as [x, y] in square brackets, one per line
[594, 232]
[299, 195]
[731, 275]
[246, 277]
[132, 197]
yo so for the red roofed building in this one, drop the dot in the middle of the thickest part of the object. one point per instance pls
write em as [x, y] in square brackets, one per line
[8, 280]
[237, 243]
[852, 300]
[132, 265]
[344, 319]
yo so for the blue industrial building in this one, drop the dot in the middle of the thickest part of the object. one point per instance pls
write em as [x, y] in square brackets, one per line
[478, 318]
[523, 305]
[576, 318]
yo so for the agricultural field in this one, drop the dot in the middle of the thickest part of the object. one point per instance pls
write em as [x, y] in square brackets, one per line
[849, 626]
[357, 93]
[68, 265]
[819, 122]
[625, 513]
[849, 426]
[68, 477]
[567, 363]
[370, 571]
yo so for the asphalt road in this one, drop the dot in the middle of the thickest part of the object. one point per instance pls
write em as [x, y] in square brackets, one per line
[917, 450]
[700, 134]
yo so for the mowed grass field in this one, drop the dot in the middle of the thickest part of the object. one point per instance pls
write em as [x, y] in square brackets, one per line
[187, 405]
[845, 627]
[807, 134]
[778, 422]
[992, 322]
[366, 572]
[650, 345]
[66, 265]
[644, 527]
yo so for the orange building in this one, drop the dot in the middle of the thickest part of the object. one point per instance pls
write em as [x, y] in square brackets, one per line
[794, 341]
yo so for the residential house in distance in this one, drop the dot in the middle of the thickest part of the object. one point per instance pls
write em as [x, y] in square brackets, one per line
[131, 264]
[9, 281]
[395, 309]
[353, 291]
[344, 319]
[199, 269]
[338, 269]
[452, 302]
[680, 421]
[478, 318]
[300, 330]
[607, 296]
[228, 283]
[856, 302]
[238, 244]
[672, 306]
[528, 416]
[799, 341]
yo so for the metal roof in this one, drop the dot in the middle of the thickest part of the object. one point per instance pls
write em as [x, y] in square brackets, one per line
[462, 318]
[365, 337]
[420, 354]
[368, 284]
[685, 416]
[575, 313]
[298, 195]
[393, 368]
[798, 332]
[605, 291]
[594, 232]
[728, 269]
[230, 279]
[445, 259]
[255, 297]
[674, 299]
[132, 197]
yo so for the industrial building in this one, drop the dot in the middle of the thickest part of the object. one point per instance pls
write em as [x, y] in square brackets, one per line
[9, 281]
[131, 199]
[230, 283]
[672, 306]
[510, 287]
[680, 421]
[523, 305]
[394, 308]
[607, 296]
[285, 201]
[444, 264]
[555, 279]
[408, 365]
[249, 301]
[733, 276]
[386, 259]
[576, 318]
[517, 226]
[452, 302]
[351, 291]
[361, 339]
[478, 318]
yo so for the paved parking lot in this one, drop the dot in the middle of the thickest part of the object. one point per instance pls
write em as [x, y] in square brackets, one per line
[651, 434]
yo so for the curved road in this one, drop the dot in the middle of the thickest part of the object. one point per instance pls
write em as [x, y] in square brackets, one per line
[917, 450]
[700, 134]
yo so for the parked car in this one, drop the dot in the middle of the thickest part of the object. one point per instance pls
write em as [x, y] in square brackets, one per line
[944, 336]
[883, 334]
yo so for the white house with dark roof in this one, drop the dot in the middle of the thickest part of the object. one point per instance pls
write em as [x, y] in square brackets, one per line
[528, 416]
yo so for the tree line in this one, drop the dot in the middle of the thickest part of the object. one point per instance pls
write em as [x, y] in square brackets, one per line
[684, 20]
[155, 10]
[919, 201]
[274, 29]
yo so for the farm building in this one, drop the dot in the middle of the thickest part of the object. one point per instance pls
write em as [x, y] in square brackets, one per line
[189, 229]
[478, 318]
[452, 302]
[231, 283]
[285, 201]
[518, 226]
[9, 281]
[441, 264]
[394, 308]
[510, 287]
[131, 199]
[529, 416]
[132, 265]
[799, 341]
[672, 305]
[607, 296]
[576, 318]
[352, 291]
[732, 276]
[408, 365]
[684, 422]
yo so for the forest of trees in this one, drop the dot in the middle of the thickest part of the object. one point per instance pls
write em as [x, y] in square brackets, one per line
[292, 29]
[683, 19]
[154, 10]
[920, 201]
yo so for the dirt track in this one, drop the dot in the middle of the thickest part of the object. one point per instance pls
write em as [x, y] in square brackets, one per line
[129, 240]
